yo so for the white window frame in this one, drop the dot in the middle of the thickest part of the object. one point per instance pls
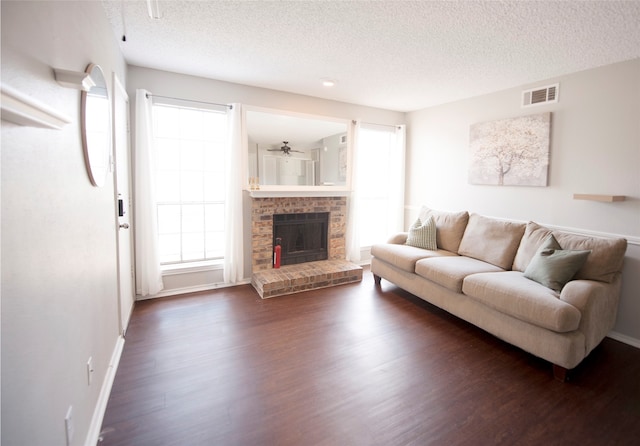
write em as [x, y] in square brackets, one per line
[206, 263]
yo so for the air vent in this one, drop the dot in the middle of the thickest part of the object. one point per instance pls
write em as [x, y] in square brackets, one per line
[542, 95]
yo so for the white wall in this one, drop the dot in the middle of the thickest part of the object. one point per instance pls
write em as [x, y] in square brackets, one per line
[59, 289]
[595, 148]
[189, 87]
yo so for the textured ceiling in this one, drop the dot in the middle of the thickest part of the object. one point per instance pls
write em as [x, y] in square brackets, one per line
[397, 55]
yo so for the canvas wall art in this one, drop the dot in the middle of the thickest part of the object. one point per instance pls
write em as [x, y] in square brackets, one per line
[510, 152]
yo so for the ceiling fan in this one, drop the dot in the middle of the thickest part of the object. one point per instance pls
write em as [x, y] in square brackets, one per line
[285, 149]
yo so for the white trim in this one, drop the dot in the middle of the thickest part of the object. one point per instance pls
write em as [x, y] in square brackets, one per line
[105, 391]
[624, 339]
[24, 110]
[299, 191]
[193, 289]
[194, 267]
[125, 323]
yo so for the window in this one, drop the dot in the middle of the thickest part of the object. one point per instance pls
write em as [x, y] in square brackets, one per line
[190, 145]
[380, 182]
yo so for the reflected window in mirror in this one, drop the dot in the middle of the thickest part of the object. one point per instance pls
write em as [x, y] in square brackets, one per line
[96, 127]
[292, 150]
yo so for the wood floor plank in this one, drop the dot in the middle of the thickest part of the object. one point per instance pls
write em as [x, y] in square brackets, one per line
[352, 365]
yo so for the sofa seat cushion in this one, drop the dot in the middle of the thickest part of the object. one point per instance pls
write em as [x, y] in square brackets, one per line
[513, 294]
[405, 256]
[449, 272]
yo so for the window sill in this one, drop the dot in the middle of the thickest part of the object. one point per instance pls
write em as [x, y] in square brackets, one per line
[192, 267]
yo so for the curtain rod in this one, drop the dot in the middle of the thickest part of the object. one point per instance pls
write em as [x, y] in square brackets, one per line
[189, 100]
[373, 124]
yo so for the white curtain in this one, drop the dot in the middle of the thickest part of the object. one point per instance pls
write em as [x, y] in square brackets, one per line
[352, 239]
[395, 214]
[148, 272]
[233, 251]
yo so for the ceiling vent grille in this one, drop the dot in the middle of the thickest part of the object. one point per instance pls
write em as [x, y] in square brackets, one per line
[540, 95]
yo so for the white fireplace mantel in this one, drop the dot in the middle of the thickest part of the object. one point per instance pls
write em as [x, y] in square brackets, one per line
[278, 192]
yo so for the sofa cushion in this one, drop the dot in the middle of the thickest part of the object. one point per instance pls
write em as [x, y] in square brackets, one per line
[422, 234]
[553, 266]
[404, 256]
[449, 272]
[513, 294]
[534, 236]
[605, 260]
[449, 227]
[493, 241]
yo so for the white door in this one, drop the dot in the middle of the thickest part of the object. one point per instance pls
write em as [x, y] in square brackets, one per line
[123, 192]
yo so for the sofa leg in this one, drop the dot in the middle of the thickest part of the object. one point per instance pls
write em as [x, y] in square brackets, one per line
[377, 279]
[560, 373]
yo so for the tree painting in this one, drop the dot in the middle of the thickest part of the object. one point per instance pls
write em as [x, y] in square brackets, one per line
[510, 152]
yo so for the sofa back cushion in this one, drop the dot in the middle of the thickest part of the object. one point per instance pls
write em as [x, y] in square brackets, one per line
[605, 260]
[450, 227]
[534, 236]
[493, 241]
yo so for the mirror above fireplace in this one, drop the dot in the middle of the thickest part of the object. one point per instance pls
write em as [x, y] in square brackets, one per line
[295, 152]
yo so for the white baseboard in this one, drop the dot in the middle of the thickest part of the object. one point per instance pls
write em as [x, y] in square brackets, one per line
[101, 405]
[625, 339]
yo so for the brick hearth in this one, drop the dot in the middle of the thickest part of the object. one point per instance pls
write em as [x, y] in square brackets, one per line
[305, 276]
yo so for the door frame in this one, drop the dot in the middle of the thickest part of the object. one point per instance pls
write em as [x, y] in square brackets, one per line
[123, 319]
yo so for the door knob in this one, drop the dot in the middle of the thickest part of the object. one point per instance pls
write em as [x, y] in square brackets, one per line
[124, 225]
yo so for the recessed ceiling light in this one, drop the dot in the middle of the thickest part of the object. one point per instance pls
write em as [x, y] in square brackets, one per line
[328, 82]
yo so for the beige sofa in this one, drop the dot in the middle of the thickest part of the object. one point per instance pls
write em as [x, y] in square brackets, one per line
[478, 271]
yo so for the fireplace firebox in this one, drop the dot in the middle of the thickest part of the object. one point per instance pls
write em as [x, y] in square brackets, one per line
[303, 236]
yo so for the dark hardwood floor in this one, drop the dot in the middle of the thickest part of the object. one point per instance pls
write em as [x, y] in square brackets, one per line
[352, 365]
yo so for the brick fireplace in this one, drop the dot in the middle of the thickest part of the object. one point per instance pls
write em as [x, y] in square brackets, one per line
[289, 279]
[263, 209]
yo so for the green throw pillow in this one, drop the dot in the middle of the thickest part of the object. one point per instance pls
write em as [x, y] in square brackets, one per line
[423, 234]
[553, 266]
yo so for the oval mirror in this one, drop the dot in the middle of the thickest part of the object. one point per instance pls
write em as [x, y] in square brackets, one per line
[96, 127]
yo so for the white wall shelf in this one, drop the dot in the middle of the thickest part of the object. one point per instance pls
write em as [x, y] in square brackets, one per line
[599, 197]
[74, 79]
[24, 110]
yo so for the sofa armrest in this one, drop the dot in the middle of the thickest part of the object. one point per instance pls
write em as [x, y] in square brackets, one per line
[399, 238]
[598, 304]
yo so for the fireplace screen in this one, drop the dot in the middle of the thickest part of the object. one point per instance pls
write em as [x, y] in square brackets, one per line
[303, 236]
